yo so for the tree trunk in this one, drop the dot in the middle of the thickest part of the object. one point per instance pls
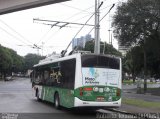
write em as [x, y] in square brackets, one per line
[145, 68]
[134, 78]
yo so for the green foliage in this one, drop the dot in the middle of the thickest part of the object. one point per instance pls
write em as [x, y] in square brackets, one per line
[137, 23]
[141, 103]
[153, 54]
[107, 49]
[136, 20]
[89, 46]
[9, 60]
[30, 60]
[133, 63]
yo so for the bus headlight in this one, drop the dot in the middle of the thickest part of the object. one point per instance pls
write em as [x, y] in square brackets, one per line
[95, 89]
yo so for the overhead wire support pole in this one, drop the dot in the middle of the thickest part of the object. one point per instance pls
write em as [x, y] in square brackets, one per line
[64, 51]
[103, 17]
[97, 28]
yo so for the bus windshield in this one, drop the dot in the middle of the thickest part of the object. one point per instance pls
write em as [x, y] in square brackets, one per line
[100, 70]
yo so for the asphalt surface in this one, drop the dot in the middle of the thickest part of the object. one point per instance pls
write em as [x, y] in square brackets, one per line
[17, 101]
[16, 96]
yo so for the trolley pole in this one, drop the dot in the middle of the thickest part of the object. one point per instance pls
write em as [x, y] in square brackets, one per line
[97, 28]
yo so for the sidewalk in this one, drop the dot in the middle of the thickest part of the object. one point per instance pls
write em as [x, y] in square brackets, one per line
[132, 94]
[145, 97]
[135, 109]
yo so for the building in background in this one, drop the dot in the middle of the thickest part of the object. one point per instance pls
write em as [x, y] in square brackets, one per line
[80, 42]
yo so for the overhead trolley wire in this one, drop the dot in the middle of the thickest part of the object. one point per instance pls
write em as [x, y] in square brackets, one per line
[64, 51]
[103, 17]
[22, 37]
[13, 35]
[67, 19]
[75, 8]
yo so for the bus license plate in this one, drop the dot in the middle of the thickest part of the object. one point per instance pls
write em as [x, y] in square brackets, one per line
[100, 98]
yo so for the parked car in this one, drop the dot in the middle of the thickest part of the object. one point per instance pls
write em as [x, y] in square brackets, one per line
[8, 78]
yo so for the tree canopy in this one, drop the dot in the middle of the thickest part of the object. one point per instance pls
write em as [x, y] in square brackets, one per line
[136, 20]
[134, 62]
[106, 48]
[137, 23]
[9, 60]
[31, 59]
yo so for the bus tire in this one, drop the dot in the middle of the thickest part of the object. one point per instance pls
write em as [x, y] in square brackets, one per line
[37, 95]
[57, 101]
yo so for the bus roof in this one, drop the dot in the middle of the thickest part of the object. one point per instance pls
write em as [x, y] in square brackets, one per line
[55, 59]
[58, 58]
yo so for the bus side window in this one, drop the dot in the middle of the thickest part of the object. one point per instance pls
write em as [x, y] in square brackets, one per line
[38, 77]
[68, 73]
[46, 77]
[56, 76]
[52, 76]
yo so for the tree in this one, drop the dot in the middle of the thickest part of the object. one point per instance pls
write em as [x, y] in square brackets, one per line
[136, 21]
[153, 54]
[31, 59]
[109, 49]
[9, 61]
[133, 62]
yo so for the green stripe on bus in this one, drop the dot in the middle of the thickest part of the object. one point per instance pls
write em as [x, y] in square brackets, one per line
[86, 93]
[66, 95]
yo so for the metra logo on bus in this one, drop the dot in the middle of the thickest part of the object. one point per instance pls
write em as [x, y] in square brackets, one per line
[91, 77]
[89, 80]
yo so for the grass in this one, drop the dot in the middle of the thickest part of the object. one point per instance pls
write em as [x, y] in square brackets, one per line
[127, 82]
[141, 103]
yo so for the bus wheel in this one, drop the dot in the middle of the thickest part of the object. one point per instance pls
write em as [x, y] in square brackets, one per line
[57, 101]
[37, 95]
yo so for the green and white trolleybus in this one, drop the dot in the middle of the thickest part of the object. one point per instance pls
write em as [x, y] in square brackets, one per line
[79, 80]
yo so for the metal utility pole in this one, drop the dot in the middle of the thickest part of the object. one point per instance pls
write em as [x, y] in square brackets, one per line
[109, 36]
[97, 28]
[37, 47]
[42, 47]
[111, 39]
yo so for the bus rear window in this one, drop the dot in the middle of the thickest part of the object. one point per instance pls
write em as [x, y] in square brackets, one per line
[100, 62]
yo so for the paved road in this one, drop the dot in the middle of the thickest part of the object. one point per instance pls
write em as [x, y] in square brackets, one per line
[16, 97]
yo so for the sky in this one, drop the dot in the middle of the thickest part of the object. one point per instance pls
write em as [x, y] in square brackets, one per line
[19, 32]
